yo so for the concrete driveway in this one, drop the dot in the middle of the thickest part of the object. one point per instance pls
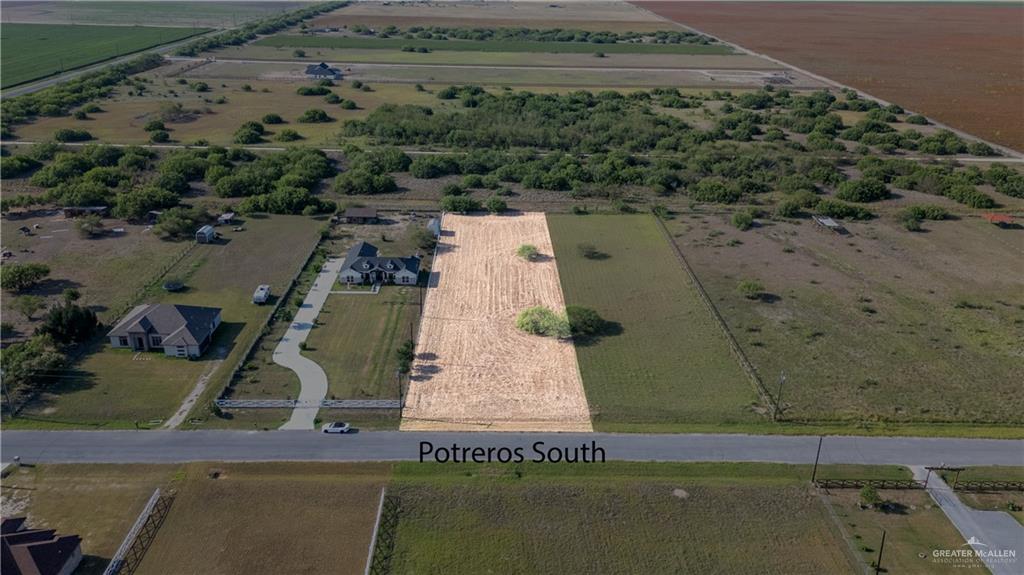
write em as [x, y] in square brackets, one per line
[988, 533]
[288, 354]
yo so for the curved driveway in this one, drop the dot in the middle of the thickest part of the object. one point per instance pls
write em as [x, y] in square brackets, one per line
[289, 354]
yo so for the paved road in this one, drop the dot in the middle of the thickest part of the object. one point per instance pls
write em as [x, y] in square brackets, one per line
[179, 446]
[289, 354]
[987, 532]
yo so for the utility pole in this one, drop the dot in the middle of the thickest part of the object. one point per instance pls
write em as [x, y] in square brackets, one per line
[878, 562]
[814, 472]
[778, 396]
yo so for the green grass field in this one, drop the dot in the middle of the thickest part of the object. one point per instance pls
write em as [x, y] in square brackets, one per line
[33, 51]
[670, 365]
[114, 388]
[488, 46]
[195, 14]
[615, 518]
[356, 340]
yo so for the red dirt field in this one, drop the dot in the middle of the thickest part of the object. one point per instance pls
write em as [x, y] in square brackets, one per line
[962, 64]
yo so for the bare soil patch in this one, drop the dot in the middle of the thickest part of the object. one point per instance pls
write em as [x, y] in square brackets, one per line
[957, 62]
[473, 368]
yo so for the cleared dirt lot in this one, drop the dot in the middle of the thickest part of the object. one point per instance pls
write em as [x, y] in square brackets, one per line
[473, 368]
[958, 62]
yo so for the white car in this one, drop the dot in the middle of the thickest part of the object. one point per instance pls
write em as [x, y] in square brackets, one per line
[336, 427]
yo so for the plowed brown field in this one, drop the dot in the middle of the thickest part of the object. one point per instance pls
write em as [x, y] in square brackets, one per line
[960, 63]
[473, 368]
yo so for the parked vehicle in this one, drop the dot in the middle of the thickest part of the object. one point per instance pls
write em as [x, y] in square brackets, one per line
[336, 427]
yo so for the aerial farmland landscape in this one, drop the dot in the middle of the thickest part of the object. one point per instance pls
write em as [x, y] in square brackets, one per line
[517, 287]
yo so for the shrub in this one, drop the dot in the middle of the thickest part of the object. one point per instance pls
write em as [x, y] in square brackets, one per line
[869, 496]
[742, 220]
[865, 190]
[14, 166]
[750, 289]
[348, 105]
[969, 196]
[927, 212]
[314, 116]
[459, 204]
[528, 252]
[299, 53]
[71, 135]
[842, 210]
[154, 125]
[272, 119]
[159, 137]
[249, 133]
[453, 190]
[332, 98]
[495, 205]
[19, 277]
[714, 190]
[28, 305]
[361, 181]
[200, 87]
[288, 135]
[428, 167]
[89, 225]
[313, 90]
[917, 119]
[542, 321]
[406, 353]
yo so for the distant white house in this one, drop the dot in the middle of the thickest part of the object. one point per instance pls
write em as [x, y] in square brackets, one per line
[363, 265]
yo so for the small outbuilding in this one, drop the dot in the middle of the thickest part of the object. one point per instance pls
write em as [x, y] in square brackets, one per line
[206, 234]
[226, 218]
[361, 216]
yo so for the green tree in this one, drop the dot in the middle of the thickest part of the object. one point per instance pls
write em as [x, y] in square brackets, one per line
[459, 204]
[27, 305]
[540, 320]
[69, 323]
[19, 277]
[584, 321]
[743, 220]
[495, 205]
[406, 353]
[89, 225]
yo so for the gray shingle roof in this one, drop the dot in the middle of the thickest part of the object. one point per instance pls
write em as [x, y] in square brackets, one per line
[176, 324]
[362, 258]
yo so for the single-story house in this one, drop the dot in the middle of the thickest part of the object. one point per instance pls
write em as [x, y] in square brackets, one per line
[361, 215]
[322, 70]
[206, 234]
[37, 551]
[363, 265]
[179, 330]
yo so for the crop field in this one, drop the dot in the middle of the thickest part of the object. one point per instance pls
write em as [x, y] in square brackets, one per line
[841, 316]
[670, 365]
[92, 392]
[597, 16]
[269, 518]
[33, 51]
[959, 62]
[615, 518]
[213, 14]
[510, 58]
[474, 369]
[348, 42]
